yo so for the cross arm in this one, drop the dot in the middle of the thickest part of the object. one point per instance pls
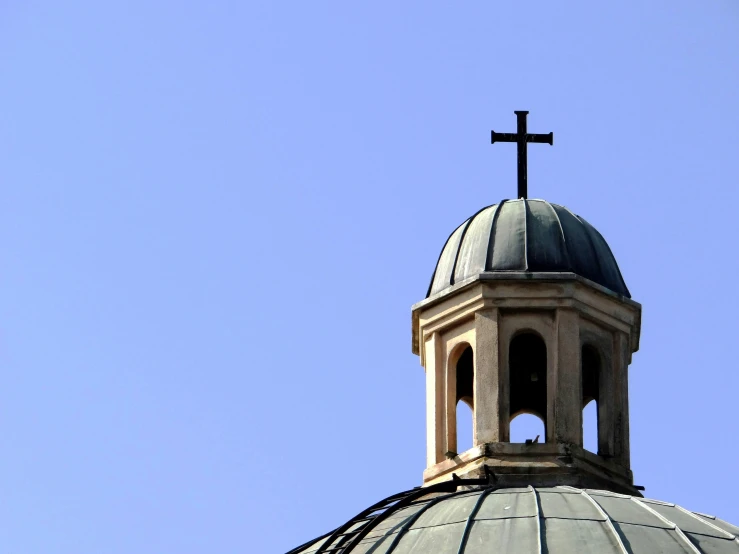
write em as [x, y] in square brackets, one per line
[502, 137]
[541, 139]
[513, 137]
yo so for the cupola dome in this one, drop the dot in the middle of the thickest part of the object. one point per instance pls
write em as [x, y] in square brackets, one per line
[526, 236]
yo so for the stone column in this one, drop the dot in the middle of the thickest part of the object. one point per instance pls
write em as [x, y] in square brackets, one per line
[435, 399]
[487, 379]
[621, 448]
[613, 408]
[608, 400]
[450, 398]
[565, 397]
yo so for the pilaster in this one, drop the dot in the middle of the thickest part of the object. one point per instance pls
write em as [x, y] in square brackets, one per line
[435, 399]
[621, 358]
[488, 378]
[565, 398]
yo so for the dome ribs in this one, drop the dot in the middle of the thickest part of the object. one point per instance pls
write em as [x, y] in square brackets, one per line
[443, 275]
[471, 519]
[608, 264]
[509, 238]
[436, 267]
[529, 236]
[537, 505]
[347, 536]
[470, 222]
[565, 248]
[472, 253]
[545, 239]
[491, 234]
[411, 520]
[608, 520]
[677, 529]
[444, 486]
[718, 529]
[585, 263]
[532, 520]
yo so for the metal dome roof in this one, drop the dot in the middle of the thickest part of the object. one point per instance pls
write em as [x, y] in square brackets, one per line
[556, 520]
[526, 235]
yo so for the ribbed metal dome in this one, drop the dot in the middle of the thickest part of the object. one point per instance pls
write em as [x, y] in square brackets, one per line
[558, 520]
[526, 235]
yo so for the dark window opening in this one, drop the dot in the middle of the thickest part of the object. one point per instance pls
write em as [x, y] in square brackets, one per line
[528, 377]
[465, 400]
[465, 377]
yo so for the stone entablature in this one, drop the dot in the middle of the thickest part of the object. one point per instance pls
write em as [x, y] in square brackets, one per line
[567, 313]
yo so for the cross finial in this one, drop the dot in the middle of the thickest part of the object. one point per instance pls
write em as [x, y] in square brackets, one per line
[521, 138]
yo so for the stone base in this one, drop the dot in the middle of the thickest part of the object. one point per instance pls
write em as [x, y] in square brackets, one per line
[539, 465]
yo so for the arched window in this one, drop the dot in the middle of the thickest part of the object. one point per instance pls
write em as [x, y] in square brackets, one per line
[464, 371]
[527, 427]
[527, 363]
[590, 392]
[465, 377]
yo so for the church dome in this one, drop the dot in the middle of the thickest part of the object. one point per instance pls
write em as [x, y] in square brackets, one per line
[526, 236]
[558, 520]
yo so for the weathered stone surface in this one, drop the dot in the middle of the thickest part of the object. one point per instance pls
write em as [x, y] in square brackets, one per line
[546, 465]
[565, 312]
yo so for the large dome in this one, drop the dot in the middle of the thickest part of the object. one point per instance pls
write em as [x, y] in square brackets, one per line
[558, 520]
[526, 236]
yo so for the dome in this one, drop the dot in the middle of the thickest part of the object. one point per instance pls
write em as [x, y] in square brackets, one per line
[526, 236]
[558, 520]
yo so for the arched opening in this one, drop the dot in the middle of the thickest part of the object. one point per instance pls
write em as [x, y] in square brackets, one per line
[590, 392]
[527, 427]
[527, 364]
[465, 371]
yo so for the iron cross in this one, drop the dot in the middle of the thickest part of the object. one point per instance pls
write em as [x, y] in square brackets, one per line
[521, 138]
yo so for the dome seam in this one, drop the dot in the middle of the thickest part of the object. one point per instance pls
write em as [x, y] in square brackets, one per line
[538, 239]
[461, 240]
[491, 243]
[586, 232]
[470, 520]
[674, 526]
[436, 267]
[564, 238]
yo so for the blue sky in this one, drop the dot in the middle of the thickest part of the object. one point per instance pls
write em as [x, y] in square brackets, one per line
[199, 199]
